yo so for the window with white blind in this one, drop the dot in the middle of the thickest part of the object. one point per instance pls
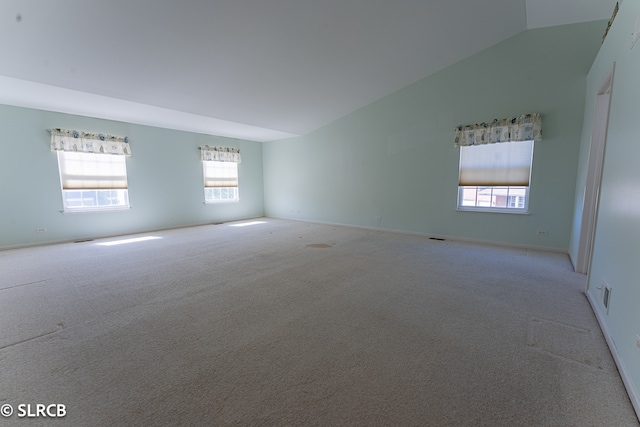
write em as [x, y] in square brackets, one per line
[93, 182]
[220, 181]
[495, 177]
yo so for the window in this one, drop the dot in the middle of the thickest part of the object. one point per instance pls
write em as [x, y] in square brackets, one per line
[493, 197]
[220, 181]
[220, 171]
[93, 171]
[93, 182]
[495, 163]
[495, 177]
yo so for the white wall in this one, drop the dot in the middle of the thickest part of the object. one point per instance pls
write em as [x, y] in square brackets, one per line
[617, 239]
[164, 173]
[395, 158]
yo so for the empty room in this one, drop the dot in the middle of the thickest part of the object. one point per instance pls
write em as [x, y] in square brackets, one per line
[279, 212]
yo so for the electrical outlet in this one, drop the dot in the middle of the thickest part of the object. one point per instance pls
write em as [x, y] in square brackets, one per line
[378, 218]
[41, 230]
[541, 232]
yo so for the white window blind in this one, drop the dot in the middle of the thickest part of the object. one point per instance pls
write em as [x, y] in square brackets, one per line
[500, 164]
[220, 174]
[92, 171]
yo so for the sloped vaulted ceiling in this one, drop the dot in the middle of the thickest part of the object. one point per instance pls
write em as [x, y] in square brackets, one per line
[252, 69]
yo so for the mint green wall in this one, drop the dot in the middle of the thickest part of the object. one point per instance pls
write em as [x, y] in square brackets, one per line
[164, 172]
[617, 239]
[395, 158]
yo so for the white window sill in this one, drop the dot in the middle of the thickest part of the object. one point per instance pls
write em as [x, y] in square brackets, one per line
[223, 202]
[95, 210]
[494, 210]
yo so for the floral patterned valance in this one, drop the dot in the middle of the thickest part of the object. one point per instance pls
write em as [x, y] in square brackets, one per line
[527, 127]
[73, 140]
[220, 154]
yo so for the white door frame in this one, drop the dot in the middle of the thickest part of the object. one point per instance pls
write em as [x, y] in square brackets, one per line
[591, 198]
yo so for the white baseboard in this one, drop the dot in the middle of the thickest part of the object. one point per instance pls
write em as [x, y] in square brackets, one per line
[634, 396]
[110, 236]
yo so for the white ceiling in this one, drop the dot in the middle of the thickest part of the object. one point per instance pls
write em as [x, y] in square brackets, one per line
[250, 69]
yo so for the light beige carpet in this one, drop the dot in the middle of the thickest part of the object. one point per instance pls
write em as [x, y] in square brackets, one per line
[293, 323]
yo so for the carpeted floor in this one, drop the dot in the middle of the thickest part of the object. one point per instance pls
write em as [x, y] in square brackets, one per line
[294, 323]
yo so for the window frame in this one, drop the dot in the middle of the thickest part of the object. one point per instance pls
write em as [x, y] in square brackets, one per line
[236, 189]
[494, 209]
[68, 209]
[522, 211]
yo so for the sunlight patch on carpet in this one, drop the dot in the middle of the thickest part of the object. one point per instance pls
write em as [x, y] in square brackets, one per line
[126, 241]
[247, 224]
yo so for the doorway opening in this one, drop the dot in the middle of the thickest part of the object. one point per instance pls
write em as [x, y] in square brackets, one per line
[594, 175]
